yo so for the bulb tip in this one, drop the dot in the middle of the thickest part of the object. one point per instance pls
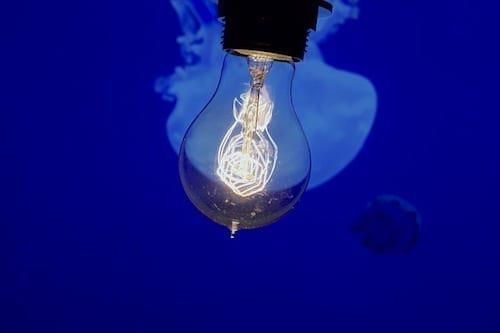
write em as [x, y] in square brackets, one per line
[234, 228]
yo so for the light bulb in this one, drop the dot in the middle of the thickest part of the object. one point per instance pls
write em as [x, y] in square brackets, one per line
[244, 161]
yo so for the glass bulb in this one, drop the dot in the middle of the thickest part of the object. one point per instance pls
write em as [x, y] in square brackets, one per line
[244, 161]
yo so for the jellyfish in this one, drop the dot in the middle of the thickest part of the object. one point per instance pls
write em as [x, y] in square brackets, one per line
[336, 107]
[388, 225]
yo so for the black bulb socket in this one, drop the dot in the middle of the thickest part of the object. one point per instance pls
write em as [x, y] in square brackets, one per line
[279, 27]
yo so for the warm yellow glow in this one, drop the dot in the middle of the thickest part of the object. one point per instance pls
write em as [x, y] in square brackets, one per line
[247, 154]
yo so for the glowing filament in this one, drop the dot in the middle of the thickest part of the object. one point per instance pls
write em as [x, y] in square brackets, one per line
[247, 154]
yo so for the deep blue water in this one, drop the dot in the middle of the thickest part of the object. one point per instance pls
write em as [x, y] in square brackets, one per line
[96, 233]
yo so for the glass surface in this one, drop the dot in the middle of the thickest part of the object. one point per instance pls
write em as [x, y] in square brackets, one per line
[244, 161]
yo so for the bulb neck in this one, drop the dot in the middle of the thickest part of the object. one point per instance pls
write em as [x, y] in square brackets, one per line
[258, 68]
[279, 28]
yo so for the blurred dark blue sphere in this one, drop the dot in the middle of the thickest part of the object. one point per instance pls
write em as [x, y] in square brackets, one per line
[388, 225]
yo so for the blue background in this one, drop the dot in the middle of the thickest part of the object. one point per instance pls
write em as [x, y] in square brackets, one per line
[96, 233]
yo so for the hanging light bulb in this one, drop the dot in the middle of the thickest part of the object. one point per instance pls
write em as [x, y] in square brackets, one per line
[244, 161]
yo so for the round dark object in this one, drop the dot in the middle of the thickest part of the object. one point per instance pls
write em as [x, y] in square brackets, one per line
[388, 225]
